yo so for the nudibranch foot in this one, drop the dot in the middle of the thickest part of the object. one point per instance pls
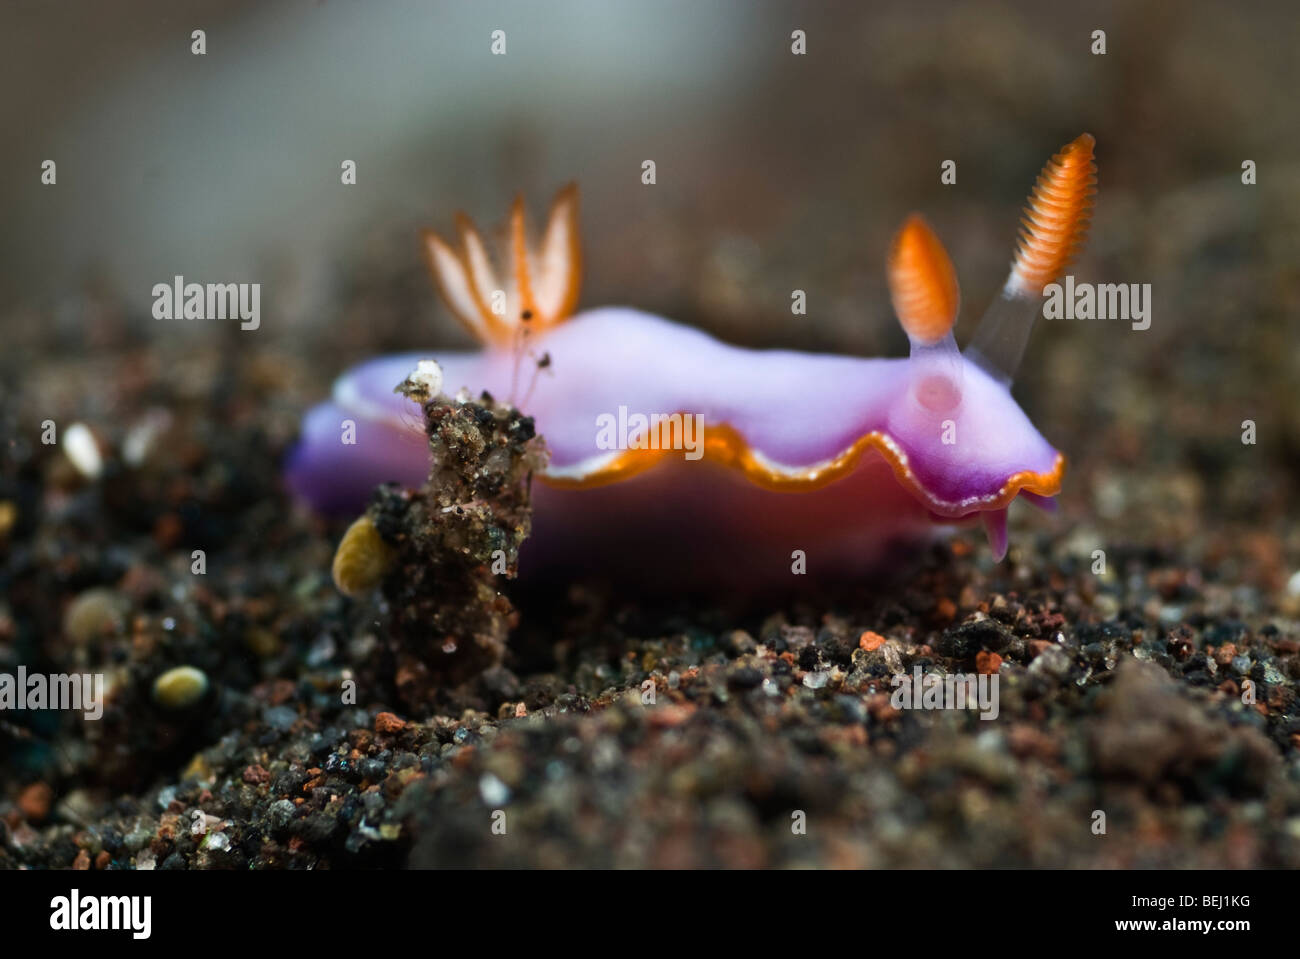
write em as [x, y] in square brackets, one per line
[706, 527]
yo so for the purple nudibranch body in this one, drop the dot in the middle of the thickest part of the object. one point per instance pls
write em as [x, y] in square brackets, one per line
[726, 461]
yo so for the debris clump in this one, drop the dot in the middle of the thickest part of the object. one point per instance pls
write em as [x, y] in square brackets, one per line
[439, 554]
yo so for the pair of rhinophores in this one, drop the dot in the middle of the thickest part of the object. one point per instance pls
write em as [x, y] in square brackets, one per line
[842, 458]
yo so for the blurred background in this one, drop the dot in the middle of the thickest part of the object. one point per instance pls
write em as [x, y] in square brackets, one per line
[775, 172]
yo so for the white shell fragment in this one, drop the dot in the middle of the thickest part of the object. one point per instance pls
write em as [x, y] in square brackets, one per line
[82, 451]
[425, 380]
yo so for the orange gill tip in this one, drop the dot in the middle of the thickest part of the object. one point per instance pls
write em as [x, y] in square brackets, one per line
[478, 267]
[559, 261]
[455, 285]
[922, 282]
[542, 282]
[1056, 218]
[525, 306]
[476, 258]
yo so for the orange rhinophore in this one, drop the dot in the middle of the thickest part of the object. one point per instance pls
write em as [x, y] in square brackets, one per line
[1056, 220]
[922, 282]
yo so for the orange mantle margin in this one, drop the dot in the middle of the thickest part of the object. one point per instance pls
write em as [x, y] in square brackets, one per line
[725, 446]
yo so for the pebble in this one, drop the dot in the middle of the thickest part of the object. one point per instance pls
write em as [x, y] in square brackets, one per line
[816, 680]
[138, 837]
[93, 614]
[143, 436]
[389, 723]
[744, 677]
[34, 802]
[361, 560]
[262, 643]
[871, 641]
[82, 450]
[493, 790]
[180, 688]
[281, 813]
[1052, 661]
[280, 718]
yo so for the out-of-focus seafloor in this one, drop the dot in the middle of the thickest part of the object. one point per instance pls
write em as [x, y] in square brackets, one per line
[1121, 691]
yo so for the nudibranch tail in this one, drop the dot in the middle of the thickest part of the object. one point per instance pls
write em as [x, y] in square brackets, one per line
[540, 289]
[1053, 231]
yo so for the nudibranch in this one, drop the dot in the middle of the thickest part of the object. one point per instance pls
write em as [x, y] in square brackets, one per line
[729, 460]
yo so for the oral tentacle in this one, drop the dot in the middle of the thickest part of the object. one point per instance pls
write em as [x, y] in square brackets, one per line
[995, 527]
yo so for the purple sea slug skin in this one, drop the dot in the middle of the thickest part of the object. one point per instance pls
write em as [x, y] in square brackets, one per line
[754, 454]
